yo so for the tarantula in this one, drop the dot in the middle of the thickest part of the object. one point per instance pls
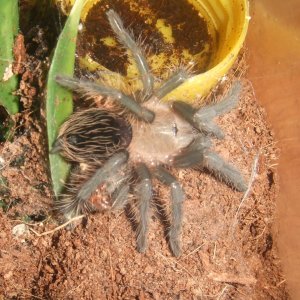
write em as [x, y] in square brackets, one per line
[125, 143]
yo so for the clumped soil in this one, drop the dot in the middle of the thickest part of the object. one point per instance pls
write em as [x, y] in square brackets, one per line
[229, 248]
[189, 31]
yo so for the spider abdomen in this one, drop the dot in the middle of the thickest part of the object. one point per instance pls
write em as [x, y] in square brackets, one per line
[93, 135]
[158, 142]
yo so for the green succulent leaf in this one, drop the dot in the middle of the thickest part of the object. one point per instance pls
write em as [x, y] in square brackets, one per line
[9, 25]
[59, 103]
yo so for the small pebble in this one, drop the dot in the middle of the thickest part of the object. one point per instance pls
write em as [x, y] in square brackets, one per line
[257, 130]
[8, 275]
[19, 230]
[122, 271]
[148, 270]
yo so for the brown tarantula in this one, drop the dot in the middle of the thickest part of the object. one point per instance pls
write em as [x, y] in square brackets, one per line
[127, 142]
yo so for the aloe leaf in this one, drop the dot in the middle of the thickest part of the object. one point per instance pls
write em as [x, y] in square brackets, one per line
[59, 103]
[9, 25]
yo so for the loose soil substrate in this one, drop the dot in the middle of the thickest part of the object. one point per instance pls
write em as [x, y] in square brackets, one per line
[228, 249]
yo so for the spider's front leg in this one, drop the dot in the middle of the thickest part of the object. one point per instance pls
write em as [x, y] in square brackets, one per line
[202, 119]
[172, 83]
[125, 38]
[89, 88]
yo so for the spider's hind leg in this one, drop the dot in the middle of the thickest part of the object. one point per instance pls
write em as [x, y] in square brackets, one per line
[199, 155]
[78, 199]
[177, 197]
[226, 172]
[120, 196]
[144, 194]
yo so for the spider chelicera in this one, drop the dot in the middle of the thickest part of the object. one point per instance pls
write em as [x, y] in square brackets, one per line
[120, 147]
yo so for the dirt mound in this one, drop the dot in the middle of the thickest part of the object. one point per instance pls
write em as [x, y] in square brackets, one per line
[228, 248]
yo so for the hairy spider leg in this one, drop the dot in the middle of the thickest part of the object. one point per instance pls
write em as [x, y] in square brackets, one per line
[202, 119]
[205, 115]
[193, 154]
[227, 172]
[144, 195]
[229, 102]
[109, 167]
[125, 38]
[172, 83]
[189, 159]
[120, 196]
[177, 197]
[204, 125]
[80, 202]
[200, 142]
[198, 154]
[147, 78]
[90, 88]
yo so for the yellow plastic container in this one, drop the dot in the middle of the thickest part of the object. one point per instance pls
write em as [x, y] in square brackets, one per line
[230, 19]
[226, 19]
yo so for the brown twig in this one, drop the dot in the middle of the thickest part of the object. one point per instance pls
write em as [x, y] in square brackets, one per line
[251, 181]
[112, 274]
[58, 227]
[231, 278]
[192, 252]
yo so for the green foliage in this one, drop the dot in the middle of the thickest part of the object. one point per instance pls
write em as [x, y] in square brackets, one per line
[59, 103]
[3, 205]
[6, 129]
[9, 24]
